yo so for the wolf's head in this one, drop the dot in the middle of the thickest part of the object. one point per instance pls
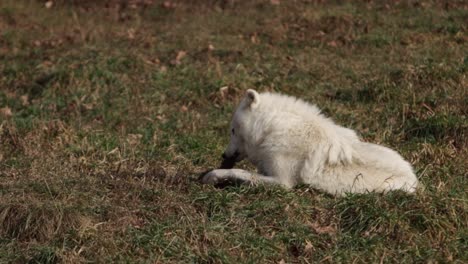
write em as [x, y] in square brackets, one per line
[242, 129]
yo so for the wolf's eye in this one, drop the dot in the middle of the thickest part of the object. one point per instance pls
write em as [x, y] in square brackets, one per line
[232, 131]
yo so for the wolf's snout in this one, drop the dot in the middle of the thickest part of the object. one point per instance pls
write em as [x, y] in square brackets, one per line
[233, 156]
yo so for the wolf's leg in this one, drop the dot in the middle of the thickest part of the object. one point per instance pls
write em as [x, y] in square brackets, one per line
[218, 176]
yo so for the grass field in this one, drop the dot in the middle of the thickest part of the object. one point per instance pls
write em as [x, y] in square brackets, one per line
[109, 111]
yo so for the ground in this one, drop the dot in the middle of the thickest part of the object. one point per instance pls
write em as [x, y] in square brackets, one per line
[110, 110]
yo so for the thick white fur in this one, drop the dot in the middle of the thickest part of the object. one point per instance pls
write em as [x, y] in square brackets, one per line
[291, 142]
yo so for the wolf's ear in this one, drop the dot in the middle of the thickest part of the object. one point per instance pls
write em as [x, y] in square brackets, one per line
[252, 98]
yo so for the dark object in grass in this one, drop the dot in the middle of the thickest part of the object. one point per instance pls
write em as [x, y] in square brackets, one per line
[222, 184]
[228, 163]
[228, 183]
[225, 164]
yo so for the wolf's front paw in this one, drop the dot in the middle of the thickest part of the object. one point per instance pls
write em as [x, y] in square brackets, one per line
[213, 177]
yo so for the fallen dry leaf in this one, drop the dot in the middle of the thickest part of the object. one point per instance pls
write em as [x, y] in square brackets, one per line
[332, 44]
[169, 4]
[131, 33]
[24, 100]
[180, 55]
[320, 33]
[254, 39]
[49, 4]
[163, 69]
[6, 112]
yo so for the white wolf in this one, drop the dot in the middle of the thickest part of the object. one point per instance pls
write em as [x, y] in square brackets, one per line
[291, 142]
